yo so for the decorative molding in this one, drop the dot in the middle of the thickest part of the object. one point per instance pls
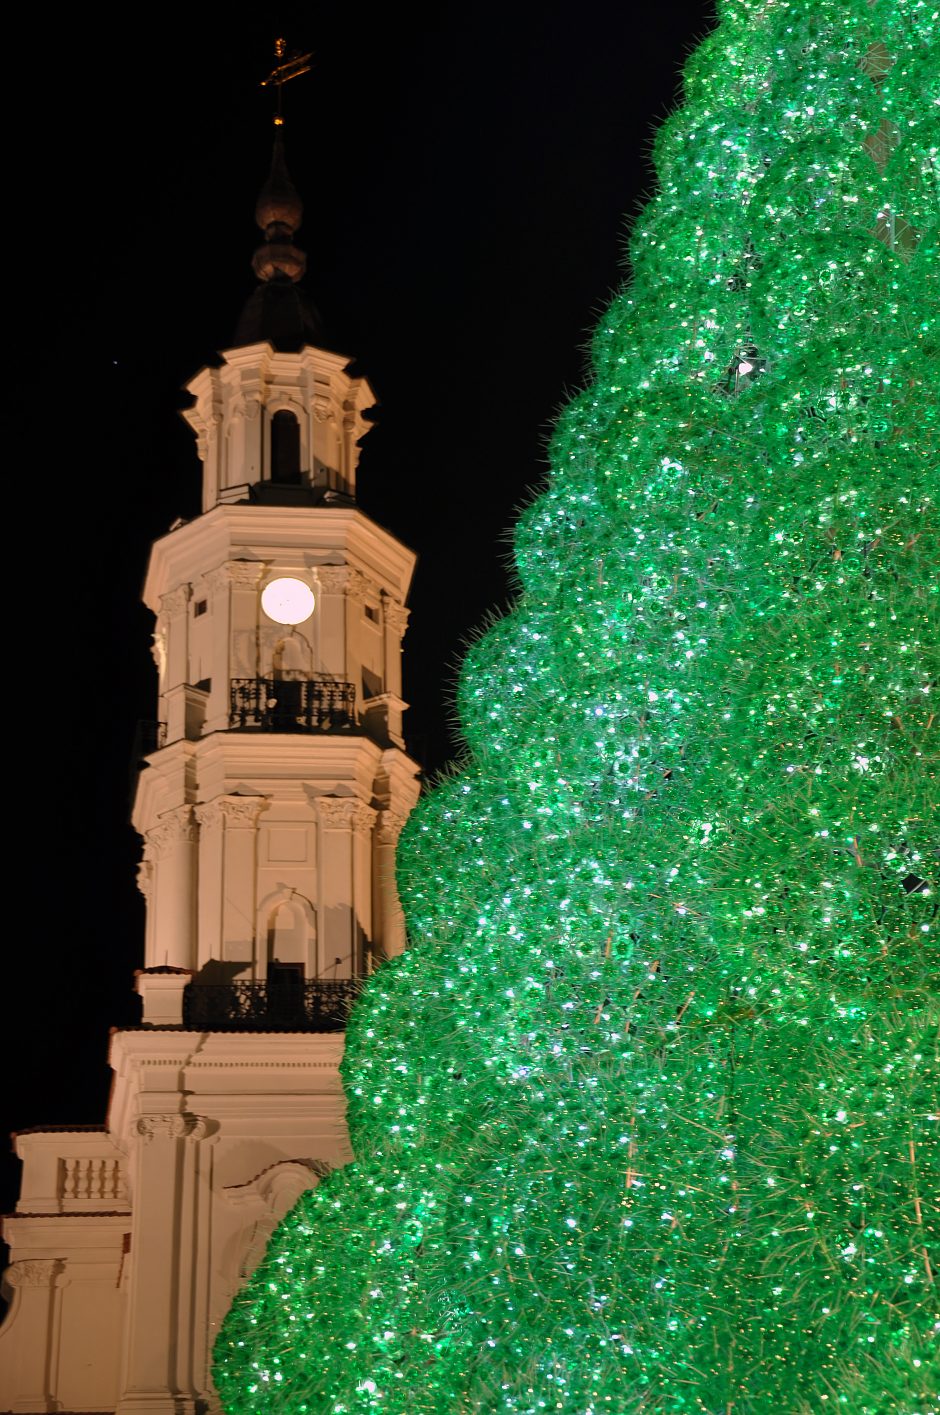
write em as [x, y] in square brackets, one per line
[345, 813]
[391, 824]
[396, 617]
[175, 601]
[217, 579]
[363, 819]
[241, 573]
[34, 1272]
[333, 578]
[175, 827]
[171, 1127]
[145, 877]
[233, 810]
[307, 1170]
[213, 1063]
[322, 408]
[343, 579]
[361, 589]
[244, 573]
[158, 646]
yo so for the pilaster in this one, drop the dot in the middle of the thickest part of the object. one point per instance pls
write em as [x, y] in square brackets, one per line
[346, 826]
[171, 880]
[229, 865]
[390, 936]
[33, 1318]
[158, 1375]
[232, 595]
[174, 613]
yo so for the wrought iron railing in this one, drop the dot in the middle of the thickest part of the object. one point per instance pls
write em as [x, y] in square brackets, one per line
[292, 705]
[304, 1005]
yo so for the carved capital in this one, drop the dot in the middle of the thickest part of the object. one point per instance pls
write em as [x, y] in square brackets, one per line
[244, 573]
[391, 825]
[158, 648]
[145, 877]
[345, 813]
[175, 601]
[171, 1127]
[396, 617]
[343, 579]
[217, 580]
[232, 810]
[363, 819]
[322, 408]
[333, 578]
[360, 589]
[172, 829]
[34, 1272]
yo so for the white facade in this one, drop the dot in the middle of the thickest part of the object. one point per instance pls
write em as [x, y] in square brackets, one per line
[269, 809]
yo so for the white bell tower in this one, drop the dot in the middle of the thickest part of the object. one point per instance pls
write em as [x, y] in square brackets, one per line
[269, 805]
[279, 780]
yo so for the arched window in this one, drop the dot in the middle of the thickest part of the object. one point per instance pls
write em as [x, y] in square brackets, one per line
[287, 936]
[285, 448]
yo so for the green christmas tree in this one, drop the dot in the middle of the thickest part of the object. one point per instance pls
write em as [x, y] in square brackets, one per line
[646, 1117]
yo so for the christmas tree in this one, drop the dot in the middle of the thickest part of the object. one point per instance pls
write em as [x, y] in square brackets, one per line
[645, 1120]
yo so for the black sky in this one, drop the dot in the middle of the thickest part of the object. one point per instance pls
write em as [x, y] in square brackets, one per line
[468, 179]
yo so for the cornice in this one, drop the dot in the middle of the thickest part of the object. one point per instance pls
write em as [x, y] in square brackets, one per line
[325, 757]
[277, 536]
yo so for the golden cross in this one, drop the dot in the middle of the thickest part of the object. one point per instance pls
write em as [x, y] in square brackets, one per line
[285, 69]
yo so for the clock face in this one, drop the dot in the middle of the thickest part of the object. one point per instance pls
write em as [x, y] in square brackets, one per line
[287, 601]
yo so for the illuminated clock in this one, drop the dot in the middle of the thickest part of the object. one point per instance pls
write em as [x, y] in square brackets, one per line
[287, 601]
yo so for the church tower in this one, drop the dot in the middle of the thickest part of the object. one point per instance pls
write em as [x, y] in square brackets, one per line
[279, 778]
[269, 807]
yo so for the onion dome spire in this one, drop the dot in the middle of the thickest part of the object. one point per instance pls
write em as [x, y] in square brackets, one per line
[280, 312]
[279, 213]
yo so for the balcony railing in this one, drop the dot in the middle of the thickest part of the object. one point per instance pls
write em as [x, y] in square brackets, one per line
[304, 1005]
[292, 705]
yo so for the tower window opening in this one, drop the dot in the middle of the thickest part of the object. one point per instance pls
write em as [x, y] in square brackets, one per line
[285, 448]
[200, 607]
[372, 686]
[372, 612]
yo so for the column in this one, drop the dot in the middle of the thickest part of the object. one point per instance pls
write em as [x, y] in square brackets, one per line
[32, 1333]
[228, 864]
[389, 918]
[232, 591]
[396, 622]
[171, 855]
[326, 449]
[174, 618]
[332, 655]
[159, 1375]
[243, 427]
[345, 829]
[145, 877]
[351, 434]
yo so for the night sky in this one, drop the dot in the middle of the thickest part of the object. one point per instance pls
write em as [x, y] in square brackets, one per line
[468, 182]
